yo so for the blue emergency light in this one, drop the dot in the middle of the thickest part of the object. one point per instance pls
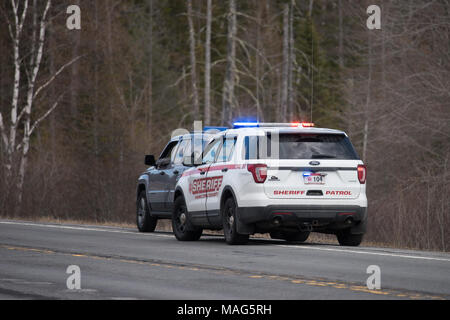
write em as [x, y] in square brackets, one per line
[238, 125]
[253, 124]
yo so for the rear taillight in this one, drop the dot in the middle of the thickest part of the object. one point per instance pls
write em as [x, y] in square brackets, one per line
[259, 172]
[362, 174]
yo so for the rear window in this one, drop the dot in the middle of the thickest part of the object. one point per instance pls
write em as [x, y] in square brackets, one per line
[299, 146]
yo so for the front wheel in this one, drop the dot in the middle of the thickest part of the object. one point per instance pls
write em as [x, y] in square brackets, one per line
[180, 223]
[345, 238]
[229, 224]
[144, 220]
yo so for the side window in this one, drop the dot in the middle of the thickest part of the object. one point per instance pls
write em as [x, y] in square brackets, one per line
[169, 151]
[211, 151]
[182, 150]
[173, 153]
[227, 150]
[257, 147]
[251, 147]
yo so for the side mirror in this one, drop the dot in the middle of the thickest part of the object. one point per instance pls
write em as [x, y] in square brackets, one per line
[163, 162]
[150, 160]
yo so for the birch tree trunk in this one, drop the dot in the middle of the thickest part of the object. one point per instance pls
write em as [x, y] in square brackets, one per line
[228, 87]
[207, 111]
[193, 60]
[35, 64]
[15, 37]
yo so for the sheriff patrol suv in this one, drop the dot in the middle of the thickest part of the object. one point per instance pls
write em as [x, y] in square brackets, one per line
[284, 179]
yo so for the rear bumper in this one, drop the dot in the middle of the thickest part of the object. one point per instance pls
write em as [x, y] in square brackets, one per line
[323, 217]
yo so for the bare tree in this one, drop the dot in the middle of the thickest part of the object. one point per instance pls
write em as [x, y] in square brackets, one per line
[341, 35]
[150, 73]
[367, 105]
[193, 59]
[23, 116]
[207, 111]
[229, 83]
[285, 69]
[75, 77]
[292, 63]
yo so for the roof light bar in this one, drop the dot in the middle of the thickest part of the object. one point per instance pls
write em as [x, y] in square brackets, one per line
[238, 125]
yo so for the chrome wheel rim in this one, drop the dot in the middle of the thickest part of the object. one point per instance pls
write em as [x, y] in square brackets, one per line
[230, 220]
[141, 211]
[181, 219]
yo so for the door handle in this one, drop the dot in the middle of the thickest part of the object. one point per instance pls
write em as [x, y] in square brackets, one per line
[224, 169]
[176, 172]
[162, 173]
[202, 172]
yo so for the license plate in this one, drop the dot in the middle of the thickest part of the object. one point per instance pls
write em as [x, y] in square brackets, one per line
[314, 178]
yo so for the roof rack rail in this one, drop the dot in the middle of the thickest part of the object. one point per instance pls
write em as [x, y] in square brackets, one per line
[211, 128]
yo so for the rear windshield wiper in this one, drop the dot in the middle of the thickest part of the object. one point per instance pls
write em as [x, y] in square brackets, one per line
[322, 156]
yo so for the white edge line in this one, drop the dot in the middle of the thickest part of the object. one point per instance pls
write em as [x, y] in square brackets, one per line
[79, 228]
[367, 252]
[284, 246]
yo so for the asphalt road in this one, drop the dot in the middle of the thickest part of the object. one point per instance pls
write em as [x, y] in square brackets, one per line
[120, 263]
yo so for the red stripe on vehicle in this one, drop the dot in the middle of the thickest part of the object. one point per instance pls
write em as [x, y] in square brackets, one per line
[213, 168]
[226, 166]
[191, 172]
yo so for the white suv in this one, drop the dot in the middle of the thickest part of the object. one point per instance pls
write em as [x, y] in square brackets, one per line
[284, 179]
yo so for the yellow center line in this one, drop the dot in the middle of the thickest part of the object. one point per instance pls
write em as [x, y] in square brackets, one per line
[292, 279]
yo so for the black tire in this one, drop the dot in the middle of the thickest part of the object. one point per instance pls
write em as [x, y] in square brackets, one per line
[181, 227]
[144, 219]
[345, 238]
[232, 237]
[297, 236]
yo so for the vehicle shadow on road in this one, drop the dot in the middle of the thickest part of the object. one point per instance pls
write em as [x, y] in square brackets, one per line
[256, 241]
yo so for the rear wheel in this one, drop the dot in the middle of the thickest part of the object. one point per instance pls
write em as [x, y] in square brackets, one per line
[298, 236]
[345, 238]
[144, 220]
[181, 227]
[229, 224]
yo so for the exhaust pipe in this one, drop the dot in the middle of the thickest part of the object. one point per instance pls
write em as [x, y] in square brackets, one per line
[276, 221]
[349, 221]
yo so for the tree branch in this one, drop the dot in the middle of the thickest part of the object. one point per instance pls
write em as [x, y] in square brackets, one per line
[45, 115]
[46, 84]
